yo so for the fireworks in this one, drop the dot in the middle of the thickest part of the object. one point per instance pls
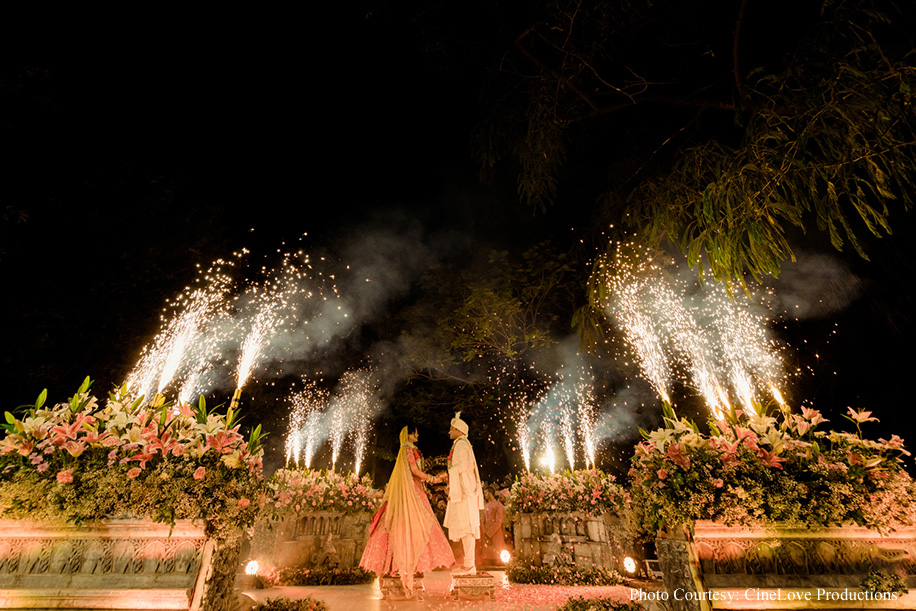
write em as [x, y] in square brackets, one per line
[721, 343]
[187, 338]
[302, 437]
[318, 416]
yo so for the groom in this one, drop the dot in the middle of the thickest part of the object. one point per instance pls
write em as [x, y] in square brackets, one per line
[465, 498]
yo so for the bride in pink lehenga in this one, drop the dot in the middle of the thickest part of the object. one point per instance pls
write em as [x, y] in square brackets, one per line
[405, 536]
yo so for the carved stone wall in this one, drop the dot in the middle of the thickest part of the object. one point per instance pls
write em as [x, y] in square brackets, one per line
[586, 540]
[314, 539]
[785, 567]
[113, 564]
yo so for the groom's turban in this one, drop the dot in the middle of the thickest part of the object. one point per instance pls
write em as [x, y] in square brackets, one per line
[460, 424]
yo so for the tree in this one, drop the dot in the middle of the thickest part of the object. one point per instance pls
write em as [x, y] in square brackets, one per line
[739, 157]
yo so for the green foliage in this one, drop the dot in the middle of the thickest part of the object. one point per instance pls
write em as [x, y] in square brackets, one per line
[882, 581]
[597, 604]
[508, 308]
[303, 576]
[309, 603]
[829, 140]
[568, 574]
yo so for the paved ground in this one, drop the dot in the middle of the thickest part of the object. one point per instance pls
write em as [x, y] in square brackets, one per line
[508, 597]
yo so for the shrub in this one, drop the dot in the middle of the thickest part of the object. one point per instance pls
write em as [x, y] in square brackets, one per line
[563, 574]
[309, 603]
[303, 576]
[597, 604]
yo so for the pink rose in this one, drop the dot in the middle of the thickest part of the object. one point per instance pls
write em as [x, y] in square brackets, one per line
[662, 473]
[65, 477]
[718, 483]
[243, 502]
[133, 472]
[199, 473]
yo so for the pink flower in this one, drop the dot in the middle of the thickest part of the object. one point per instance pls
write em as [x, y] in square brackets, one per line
[199, 473]
[65, 477]
[770, 459]
[678, 456]
[134, 472]
[718, 483]
[860, 416]
[662, 473]
[43, 467]
[243, 502]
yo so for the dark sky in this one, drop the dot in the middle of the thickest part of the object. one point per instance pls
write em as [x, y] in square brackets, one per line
[136, 151]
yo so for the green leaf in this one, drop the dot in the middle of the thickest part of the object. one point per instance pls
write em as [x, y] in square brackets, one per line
[41, 399]
[10, 419]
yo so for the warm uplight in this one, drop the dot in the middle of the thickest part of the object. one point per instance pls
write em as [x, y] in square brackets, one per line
[505, 556]
[251, 568]
[629, 565]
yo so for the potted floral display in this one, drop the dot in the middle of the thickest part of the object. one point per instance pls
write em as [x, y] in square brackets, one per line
[314, 521]
[124, 497]
[569, 518]
[771, 494]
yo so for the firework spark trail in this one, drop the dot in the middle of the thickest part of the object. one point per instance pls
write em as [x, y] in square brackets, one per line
[586, 417]
[182, 337]
[720, 341]
[567, 433]
[359, 395]
[303, 436]
[293, 293]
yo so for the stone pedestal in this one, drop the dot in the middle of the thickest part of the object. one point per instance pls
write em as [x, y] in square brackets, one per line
[318, 539]
[113, 564]
[784, 567]
[473, 585]
[391, 586]
[549, 538]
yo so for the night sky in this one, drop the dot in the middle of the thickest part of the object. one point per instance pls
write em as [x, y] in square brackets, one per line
[134, 153]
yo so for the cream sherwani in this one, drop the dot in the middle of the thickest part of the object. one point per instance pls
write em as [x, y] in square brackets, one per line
[465, 498]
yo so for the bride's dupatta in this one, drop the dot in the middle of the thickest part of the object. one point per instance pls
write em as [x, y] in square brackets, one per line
[407, 524]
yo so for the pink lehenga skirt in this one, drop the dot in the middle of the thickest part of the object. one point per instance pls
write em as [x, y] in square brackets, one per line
[379, 559]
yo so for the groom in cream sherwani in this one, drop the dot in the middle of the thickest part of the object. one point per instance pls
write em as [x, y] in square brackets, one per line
[465, 497]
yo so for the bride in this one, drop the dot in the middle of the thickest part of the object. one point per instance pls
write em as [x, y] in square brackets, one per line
[405, 537]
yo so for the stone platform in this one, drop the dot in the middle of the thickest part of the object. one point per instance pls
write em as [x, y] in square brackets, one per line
[473, 585]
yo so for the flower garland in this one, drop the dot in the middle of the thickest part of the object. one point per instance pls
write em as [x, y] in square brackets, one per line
[77, 461]
[587, 491]
[302, 490]
[752, 469]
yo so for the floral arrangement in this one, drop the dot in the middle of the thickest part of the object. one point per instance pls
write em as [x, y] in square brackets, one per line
[752, 469]
[587, 491]
[77, 461]
[304, 576]
[309, 603]
[299, 490]
[564, 574]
